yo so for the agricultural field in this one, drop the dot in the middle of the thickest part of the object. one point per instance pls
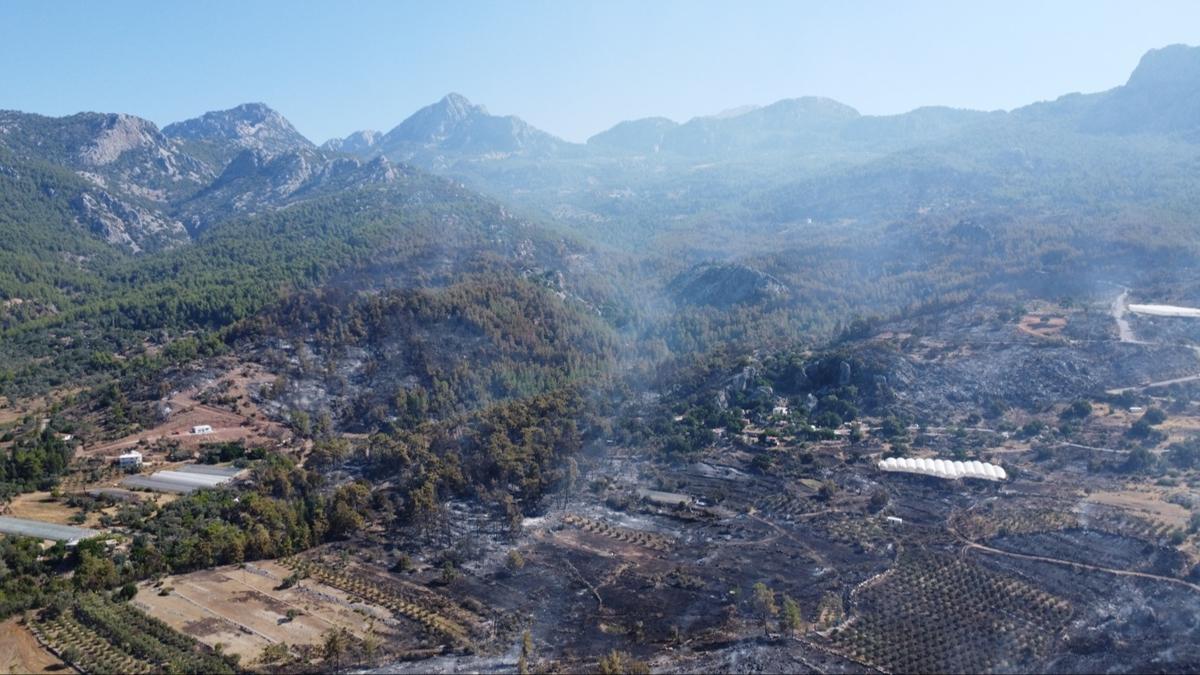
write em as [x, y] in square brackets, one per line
[932, 613]
[96, 635]
[248, 608]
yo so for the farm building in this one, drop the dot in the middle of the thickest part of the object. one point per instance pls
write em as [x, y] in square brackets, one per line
[941, 468]
[131, 459]
[202, 429]
[184, 479]
[39, 530]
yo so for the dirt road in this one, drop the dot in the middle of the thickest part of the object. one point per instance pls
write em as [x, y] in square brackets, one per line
[1118, 309]
[1072, 563]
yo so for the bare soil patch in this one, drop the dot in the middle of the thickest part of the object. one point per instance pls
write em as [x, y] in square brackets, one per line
[41, 506]
[225, 404]
[1147, 502]
[20, 652]
[1042, 324]
[246, 610]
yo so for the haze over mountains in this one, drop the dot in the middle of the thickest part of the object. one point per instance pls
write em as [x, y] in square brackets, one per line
[767, 181]
[456, 126]
[1103, 179]
[147, 188]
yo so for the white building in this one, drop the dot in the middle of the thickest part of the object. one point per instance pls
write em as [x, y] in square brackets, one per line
[133, 458]
[201, 429]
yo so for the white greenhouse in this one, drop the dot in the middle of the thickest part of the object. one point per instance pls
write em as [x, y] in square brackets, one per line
[942, 468]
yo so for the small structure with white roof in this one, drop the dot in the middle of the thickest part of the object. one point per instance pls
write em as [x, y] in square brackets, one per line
[131, 459]
[200, 429]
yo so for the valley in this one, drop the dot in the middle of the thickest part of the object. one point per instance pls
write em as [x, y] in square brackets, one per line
[791, 389]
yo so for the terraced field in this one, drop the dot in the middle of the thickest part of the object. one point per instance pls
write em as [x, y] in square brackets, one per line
[935, 613]
[626, 535]
[99, 636]
[437, 614]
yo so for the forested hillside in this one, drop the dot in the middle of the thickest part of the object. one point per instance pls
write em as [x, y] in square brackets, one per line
[421, 231]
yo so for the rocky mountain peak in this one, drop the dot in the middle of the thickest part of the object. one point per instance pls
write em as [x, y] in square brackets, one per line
[1162, 95]
[457, 106]
[357, 143]
[253, 126]
[437, 121]
[1171, 66]
[454, 128]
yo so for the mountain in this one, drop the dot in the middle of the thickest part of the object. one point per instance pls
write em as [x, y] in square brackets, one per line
[220, 135]
[454, 129]
[923, 125]
[257, 182]
[784, 125]
[787, 126]
[141, 189]
[635, 136]
[719, 187]
[1161, 96]
[357, 225]
[357, 143]
[130, 171]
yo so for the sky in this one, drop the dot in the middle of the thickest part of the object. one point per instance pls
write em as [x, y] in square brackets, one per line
[570, 67]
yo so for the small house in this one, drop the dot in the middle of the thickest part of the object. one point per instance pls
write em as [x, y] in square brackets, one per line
[131, 459]
[200, 429]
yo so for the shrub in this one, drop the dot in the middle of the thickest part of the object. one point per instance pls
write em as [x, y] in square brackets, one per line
[126, 592]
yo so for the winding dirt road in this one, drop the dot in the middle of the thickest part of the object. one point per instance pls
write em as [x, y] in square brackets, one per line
[1071, 563]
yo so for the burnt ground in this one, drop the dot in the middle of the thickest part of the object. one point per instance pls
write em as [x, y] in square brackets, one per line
[659, 560]
[673, 586]
[1118, 624]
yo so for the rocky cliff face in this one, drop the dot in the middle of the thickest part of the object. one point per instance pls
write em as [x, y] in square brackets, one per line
[133, 172]
[145, 189]
[126, 224]
[255, 182]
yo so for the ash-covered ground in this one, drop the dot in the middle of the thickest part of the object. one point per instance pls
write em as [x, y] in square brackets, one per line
[779, 547]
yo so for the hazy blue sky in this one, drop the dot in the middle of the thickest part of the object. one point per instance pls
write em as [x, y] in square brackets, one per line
[571, 67]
